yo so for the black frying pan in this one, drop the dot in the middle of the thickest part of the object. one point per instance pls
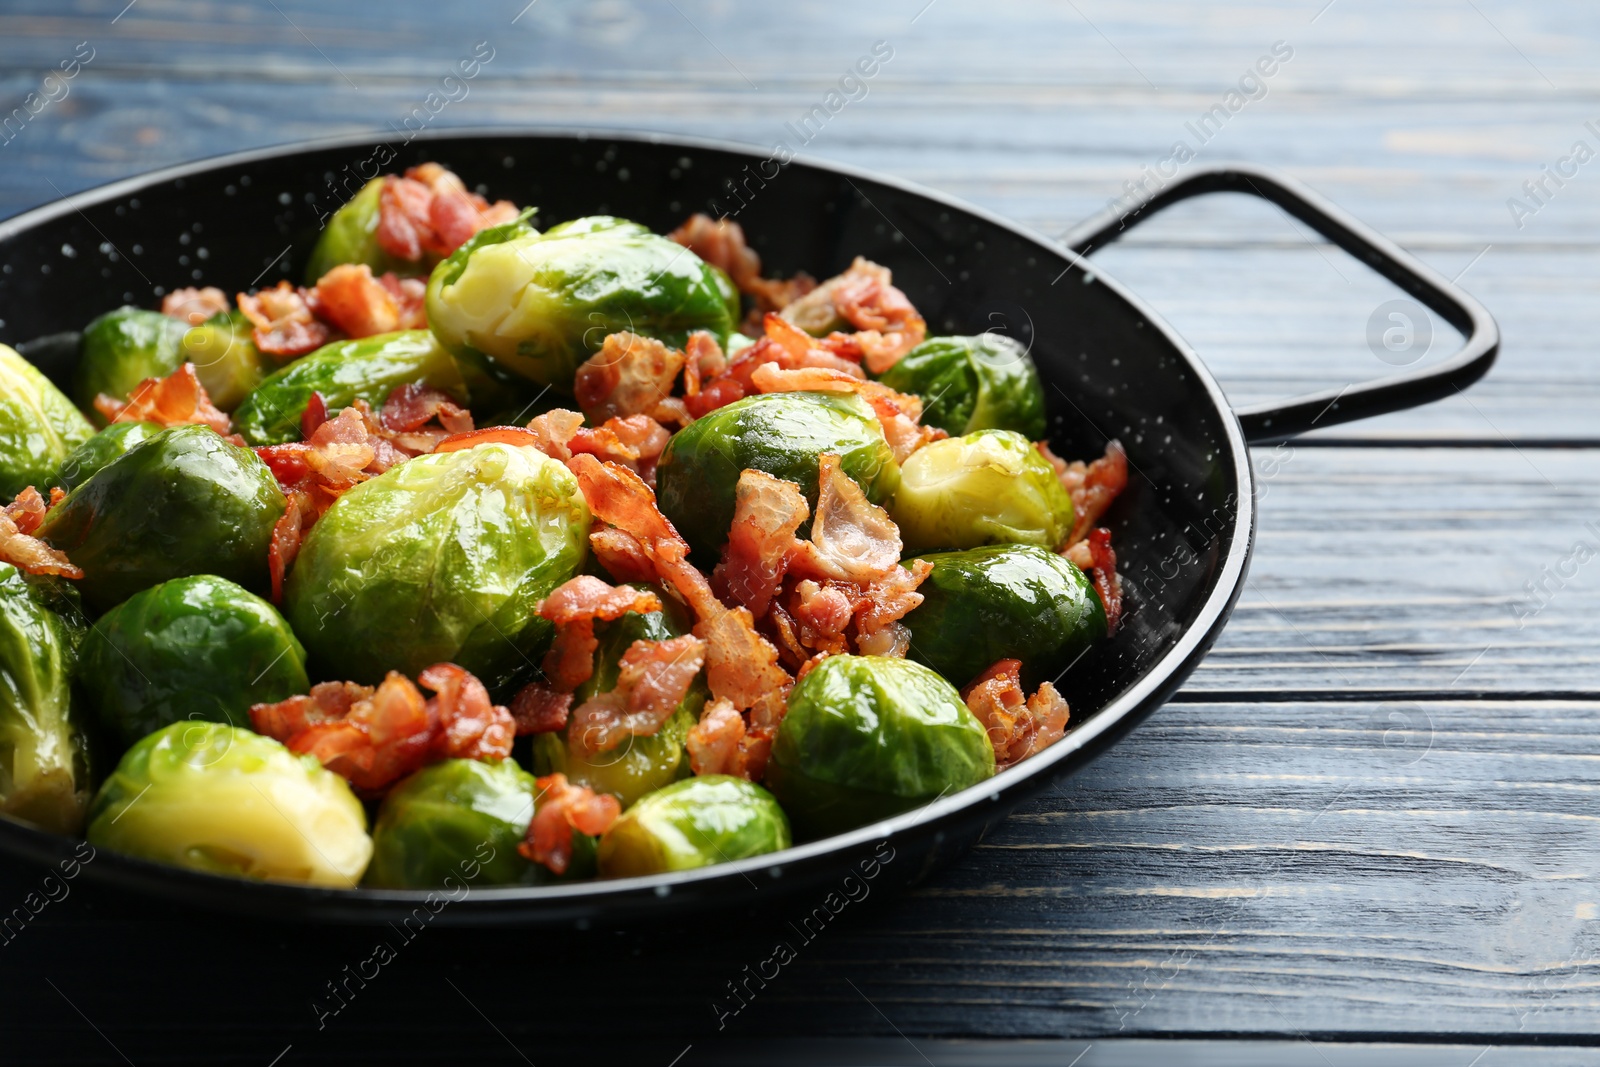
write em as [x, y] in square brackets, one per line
[1112, 368]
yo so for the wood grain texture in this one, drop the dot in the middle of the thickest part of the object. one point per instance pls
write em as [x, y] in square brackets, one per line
[1369, 816]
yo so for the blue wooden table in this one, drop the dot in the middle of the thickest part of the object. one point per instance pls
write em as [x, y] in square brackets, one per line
[1366, 829]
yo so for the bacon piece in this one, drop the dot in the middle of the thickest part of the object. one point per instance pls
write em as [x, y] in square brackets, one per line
[891, 598]
[852, 539]
[1017, 728]
[176, 400]
[714, 743]
[741, 665]
[830, 615]
[784, 346]
[287, 534]
[18, 547]
[554, 431]
[28, 510]
[285, 326]
[620, 554]
[539, 709]
[635, 441]
[652, 680]
[1095, 556]
[491, 435]
[327, 702]
[721, 243]
[194, 306]
[575, 606]
[702, 359]
[1092, 486]
[349, 298]
[430, 211]
[766, 513]
[887, 325]
[714, 395]
[410, 407]
[560, 809]
[410, 300]
[470, 725]
[630, 375]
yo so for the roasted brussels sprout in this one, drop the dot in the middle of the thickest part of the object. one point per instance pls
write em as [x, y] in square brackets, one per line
[986, 382]
[122, 348]
[1003, 602]
[183, 502]
[225, 358]
[639, 765]
[105, 446]
[369, 368]
[351, 236]
[219, 799]
[460, 819]
[540, 304]
[715, 818]
[38, 426]
[869, 736]
[989, 487]
[779, 433]
[44, 761]
[441, 558]
[193, 648]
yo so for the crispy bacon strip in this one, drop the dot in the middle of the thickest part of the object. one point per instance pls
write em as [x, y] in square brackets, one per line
[653, 678]
[349, 298]
[539, 709]
[630, 375]
[852, 539]
[721, 243]
[561, 810]
[411, 407]
[29, 508]
[1095, 556]
[574, 607]
[285, 325]
[287, 534]
[887, 325]
[430, 211]
[194, 306]
[1092, 486]
[470, 725]
[784, 345]
[18, 547]
[703, 359]
[715, 743]
[766, 513]
[1017, 727]
[176, 400]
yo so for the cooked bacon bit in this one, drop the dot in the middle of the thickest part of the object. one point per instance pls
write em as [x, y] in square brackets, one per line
[891, 598]
[575, 606]
[636, 442]
[471, 726]
[827, 616]
[554, 431]
[766, 513]
[373, 737]
[20, 548]
[622, 556]
[887, 325]
[652, 680]
[349, 298]
[539, 709]
[430, 210]
[1017, 728]
[1092, 486]
[176, 400]
[785, 346]
[741, 665]
[410, 407]
[492, 435]
[1095, 556]
[714, 395]
[721, 243]
[561, 809]
[703, 359]
[315, 414]
[852, 539]
[630, 375]
[285, 326]
[714, 743]
[410, 300]
[194, 306]
[287, 534]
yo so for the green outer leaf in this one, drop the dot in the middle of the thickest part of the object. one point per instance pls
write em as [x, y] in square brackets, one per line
[441, 558]
[38, 427]
[122, 348]
[697, 822]
[199, 648]
[183, 502]
[369, 368]
[779, 433]
[44, 766]
[989, 487]
[1003, 602]
[892, 733]
[540, 304]
[82, 462]
[458, 819]
[987, 382]
[351, 237]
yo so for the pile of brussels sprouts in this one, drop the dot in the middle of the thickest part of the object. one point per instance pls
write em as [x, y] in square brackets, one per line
[124, 708]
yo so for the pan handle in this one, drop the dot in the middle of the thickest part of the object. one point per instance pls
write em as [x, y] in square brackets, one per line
[1278, 420]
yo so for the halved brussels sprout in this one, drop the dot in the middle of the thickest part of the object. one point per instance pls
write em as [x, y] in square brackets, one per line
[44, 760]
[697, 822]
[1003, 602]
[369, 368]
[779, 433]
[867, 737]
[441, 558]
[122, 348]
[183, 502]
[225, 358]
[215, 798]
[460, 819]
[987, 382]
[82, 462]
[540, 304]
[639, 765]
[989, 487]
[351, 236]
[38, 427]
[197, 648]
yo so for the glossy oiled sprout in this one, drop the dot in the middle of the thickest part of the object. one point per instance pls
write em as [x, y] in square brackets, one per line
[989, 487]
[38, 427]
[459, 819]
[693, 823]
